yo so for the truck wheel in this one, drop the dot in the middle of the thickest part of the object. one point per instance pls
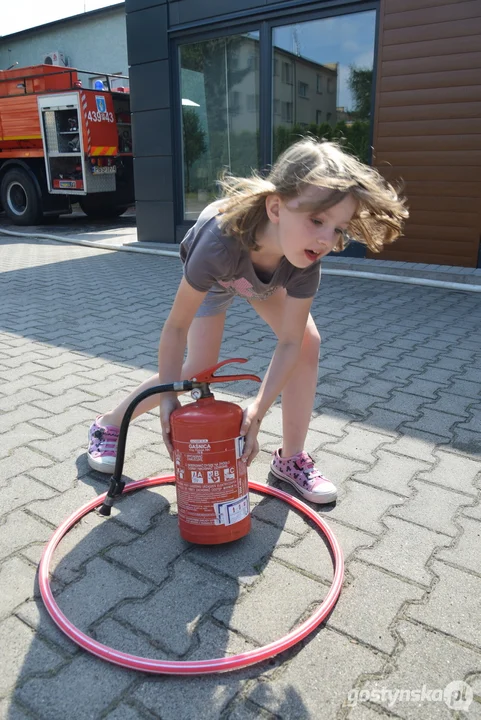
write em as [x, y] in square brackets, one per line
[98, 208]
[19, 197]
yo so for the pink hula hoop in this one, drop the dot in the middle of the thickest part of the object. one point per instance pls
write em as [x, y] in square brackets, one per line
[197, 667]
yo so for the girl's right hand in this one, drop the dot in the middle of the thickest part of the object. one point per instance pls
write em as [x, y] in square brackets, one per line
[168, 403]
[250, 427]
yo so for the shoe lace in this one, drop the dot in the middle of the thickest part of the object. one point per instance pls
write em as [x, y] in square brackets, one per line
[306, 464]
[105, 437]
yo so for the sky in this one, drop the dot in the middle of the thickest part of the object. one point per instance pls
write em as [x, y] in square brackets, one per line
[19, 15]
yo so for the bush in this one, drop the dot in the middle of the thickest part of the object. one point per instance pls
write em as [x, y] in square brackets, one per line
[353, 138]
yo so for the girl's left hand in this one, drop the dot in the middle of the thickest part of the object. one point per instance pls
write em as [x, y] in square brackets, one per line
[250, 428]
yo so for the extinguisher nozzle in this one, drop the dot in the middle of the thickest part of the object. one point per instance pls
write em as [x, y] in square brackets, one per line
[115, 490]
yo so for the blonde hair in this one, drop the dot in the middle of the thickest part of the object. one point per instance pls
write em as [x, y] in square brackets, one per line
[380, 212]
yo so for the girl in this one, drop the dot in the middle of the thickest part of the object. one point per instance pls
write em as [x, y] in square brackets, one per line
[264, 241]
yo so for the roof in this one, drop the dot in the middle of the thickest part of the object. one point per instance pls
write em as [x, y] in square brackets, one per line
[63, 21]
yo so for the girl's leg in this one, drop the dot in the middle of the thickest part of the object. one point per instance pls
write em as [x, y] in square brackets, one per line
[203, 346]
[300, 390]
[291, 463]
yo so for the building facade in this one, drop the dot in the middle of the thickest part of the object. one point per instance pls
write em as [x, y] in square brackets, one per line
[218, 85]
[95, 41]
[229, 85]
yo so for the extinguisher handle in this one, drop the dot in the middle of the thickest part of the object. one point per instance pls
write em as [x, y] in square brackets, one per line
[207, 376]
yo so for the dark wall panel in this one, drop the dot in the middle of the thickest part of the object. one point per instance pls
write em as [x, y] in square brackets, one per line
[151, 133]
[153, 179]
[133, 5]
[185, 11]
[150, 102]
[147, 35]
[155, 221]
[150, 86]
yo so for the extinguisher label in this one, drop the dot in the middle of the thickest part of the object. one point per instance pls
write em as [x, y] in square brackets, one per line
[211, 479]
[228, 513]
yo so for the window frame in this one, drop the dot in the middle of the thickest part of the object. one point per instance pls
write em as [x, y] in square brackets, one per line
[305, 90]
[263, 22]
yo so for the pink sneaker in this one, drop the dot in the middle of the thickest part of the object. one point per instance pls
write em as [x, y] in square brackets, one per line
[102, 450]
[300, 471]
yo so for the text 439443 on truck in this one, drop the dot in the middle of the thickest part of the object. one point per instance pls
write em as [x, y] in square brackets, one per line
[61, 143]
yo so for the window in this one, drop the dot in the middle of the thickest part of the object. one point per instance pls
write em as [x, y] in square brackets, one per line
[303, 89]
[286, 112]
[322, 70]
[235, 102]
[219, 128]
[287, 73]
[253, 103]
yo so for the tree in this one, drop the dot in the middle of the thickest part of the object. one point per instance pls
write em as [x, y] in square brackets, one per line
[360, 84]
[194, 141]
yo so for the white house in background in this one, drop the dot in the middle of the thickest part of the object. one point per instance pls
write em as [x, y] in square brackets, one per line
[95, 40]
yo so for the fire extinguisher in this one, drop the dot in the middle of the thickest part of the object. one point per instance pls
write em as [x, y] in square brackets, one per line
[211, 480]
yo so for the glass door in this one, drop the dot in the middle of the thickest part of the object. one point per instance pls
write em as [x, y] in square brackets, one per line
[219, 88]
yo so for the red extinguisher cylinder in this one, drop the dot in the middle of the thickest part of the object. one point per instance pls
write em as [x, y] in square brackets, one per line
[211, 480]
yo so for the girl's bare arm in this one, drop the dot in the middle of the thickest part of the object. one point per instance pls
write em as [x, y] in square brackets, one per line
[173, 341]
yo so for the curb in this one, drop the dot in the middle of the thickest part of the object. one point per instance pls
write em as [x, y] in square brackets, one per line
[383, 277]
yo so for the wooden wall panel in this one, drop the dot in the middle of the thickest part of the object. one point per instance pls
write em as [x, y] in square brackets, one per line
[409, 49]
[432, 96]
[444, 190]
[426, 128]
[427, 125]
[446, 219]
[440, 204]
[429, 142]
[434, 63]
[397, 6]
[461, 159]
[427, 81]
[446, 111]
[429, 174]
[425, 16]
[434, 31]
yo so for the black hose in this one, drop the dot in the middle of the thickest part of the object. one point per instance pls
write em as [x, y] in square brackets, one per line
[116, 483]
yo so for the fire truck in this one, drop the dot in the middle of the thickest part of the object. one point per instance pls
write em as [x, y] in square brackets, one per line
[65, 137]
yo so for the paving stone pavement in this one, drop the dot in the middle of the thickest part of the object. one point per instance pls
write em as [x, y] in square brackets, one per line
[397, 427]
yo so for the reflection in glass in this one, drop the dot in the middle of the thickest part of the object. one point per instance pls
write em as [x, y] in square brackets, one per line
[322, 82]
[219, 81]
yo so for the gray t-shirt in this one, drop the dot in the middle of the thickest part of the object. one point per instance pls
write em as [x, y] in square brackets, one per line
[214, 261]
